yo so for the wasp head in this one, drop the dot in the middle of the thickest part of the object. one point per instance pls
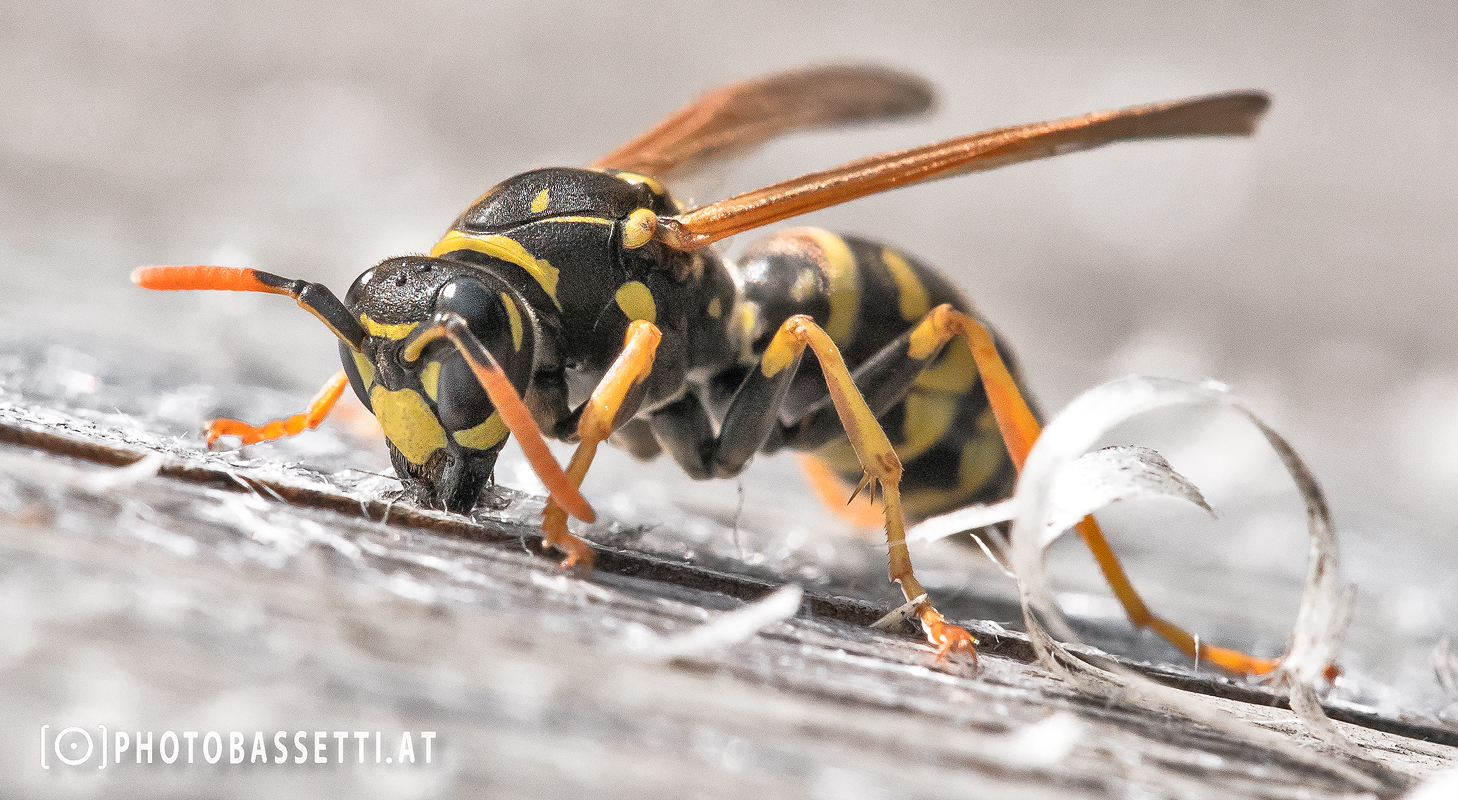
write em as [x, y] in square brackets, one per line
[443, 430]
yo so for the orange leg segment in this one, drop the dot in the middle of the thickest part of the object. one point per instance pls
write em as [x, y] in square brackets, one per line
[879, 460]
[1020, 429]
[318, 409]
[599, 417]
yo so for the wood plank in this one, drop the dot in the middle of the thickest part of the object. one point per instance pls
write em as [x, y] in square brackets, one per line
[248, 596]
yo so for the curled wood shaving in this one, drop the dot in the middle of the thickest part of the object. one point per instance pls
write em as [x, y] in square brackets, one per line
[1083, 486]
[1325, 605]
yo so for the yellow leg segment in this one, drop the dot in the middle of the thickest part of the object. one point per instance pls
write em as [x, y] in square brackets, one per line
[878, 459]
[1020, 429]
[597, 422]
[318, 409]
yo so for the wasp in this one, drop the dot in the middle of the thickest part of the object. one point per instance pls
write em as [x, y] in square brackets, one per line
[586, 304]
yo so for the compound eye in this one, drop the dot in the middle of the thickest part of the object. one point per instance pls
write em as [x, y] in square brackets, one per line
[356, 289]
[496, 320]
[482, 310]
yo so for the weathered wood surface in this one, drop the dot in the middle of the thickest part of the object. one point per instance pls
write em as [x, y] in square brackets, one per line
[231, 595]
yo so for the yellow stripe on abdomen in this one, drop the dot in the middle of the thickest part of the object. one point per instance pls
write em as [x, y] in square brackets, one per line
[842, 282]
[911, 296]
[983, 455]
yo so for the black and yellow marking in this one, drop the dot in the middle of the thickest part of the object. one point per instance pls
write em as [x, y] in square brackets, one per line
[409, 422]
[842, 281]
[636, 179]
[485, 436]
[636, 301]
[639, 227]
[507, 249]
[911, 297]
[513, 316]
[398, 330]
[867, 297]
[365, 368]
[430, 380]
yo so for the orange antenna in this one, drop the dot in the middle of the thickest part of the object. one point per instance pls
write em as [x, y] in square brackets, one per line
[314, 298]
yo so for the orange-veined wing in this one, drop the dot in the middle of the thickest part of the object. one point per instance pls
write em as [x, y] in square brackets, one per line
[744, 115]
[1230, 114]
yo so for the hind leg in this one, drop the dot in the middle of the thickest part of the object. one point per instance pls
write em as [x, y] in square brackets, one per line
[894, 367]
[1020, 429]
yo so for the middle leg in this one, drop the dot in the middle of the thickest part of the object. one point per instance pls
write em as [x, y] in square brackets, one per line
[754, 414]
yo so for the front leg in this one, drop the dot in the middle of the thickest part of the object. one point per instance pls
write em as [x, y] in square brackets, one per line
[615, 399]
[309, 419]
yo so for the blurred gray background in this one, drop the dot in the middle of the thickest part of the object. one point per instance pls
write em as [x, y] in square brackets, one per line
[1309, 267]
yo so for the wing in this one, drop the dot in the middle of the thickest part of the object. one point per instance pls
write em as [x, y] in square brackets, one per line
[744, 115]
[1232, 114]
